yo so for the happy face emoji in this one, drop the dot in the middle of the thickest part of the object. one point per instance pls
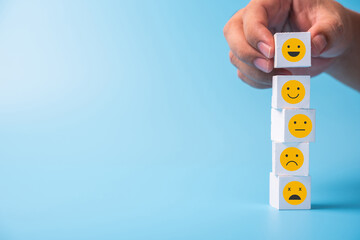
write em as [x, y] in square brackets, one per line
[294, 193]
[300, 125]
[291, 159]
[293, 92]
[293, 50]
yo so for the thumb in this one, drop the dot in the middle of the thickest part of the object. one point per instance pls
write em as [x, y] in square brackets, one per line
[327, 38]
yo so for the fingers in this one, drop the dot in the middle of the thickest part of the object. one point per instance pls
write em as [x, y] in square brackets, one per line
[250, 82]
[320, 65]
[324, 36]
[256, 30]
[318, 44]
[250, 72]
[251, 41]
[253, 76]
[328, 32]
[261, 19]
[240, 47]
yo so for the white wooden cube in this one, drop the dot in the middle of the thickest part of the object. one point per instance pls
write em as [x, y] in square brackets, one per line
[292, 49]
[290, 192]
[290, 158]
[293, 125]
[290, 91]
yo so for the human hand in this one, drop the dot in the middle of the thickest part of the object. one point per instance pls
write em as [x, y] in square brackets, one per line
[249, 34]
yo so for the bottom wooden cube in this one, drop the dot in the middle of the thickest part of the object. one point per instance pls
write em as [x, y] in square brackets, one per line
[290, 192]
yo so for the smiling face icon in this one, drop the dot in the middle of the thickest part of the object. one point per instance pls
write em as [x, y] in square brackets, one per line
[294, 193]
[293, 91]
[293, 50]
[300, 125]
[291, 159]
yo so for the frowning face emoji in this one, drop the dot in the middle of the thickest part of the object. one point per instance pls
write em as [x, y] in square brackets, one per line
[293, 50]
[291, 159]
[294, 193]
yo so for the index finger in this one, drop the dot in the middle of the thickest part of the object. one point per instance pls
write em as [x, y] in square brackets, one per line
[259, 18]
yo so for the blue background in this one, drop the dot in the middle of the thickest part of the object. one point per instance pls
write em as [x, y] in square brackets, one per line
[125, 120]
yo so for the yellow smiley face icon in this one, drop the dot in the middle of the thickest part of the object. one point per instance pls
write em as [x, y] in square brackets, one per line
[291, 159]
[300, 126]
[293, 91]
[293, 50]
[294, 193]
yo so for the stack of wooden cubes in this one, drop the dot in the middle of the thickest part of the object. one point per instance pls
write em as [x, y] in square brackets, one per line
[292, 124]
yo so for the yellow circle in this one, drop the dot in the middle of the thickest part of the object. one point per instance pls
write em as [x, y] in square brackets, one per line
[293, 91]
[294, 193]
[300, 126]
[291, 159]
[293, 50]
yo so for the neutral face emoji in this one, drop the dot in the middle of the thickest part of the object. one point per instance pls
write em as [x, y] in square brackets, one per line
[294, 193]
[293, 50]
[300, 126]
[293, 91]
[291, 159]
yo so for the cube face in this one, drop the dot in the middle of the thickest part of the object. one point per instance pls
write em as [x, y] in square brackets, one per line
[290, 192]
[292, 50]
[290, 159]
[291, 92]
[293, 125]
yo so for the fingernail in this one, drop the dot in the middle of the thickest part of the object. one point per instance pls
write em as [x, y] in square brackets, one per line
[264, 49]
[319, 43]
[263, 64]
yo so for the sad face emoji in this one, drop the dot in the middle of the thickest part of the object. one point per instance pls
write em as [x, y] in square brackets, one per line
[291, 159]
[294, 193]
[293, 50]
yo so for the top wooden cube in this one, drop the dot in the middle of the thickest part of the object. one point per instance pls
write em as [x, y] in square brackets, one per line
[292, 50]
